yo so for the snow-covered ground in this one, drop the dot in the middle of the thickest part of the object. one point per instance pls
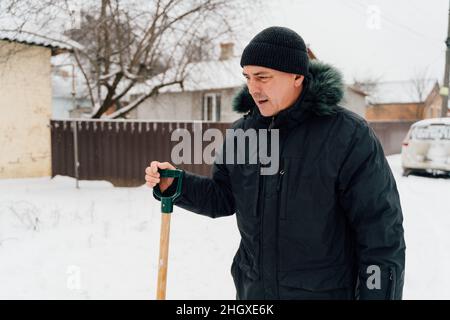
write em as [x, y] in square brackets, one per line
[101, 242]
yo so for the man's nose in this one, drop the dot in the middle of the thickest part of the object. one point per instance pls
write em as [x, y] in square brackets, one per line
[253, 88]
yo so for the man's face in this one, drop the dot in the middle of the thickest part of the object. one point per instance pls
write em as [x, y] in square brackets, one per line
[272, 90]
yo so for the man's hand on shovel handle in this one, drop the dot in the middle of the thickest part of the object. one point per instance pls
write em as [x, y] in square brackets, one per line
[152, 177]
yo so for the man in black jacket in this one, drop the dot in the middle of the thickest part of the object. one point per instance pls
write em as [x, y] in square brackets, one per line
[328, 223]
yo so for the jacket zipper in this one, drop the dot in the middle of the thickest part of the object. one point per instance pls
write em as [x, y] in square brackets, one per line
[260, 262]
[280, 179]
[272, 123]
[262, 191]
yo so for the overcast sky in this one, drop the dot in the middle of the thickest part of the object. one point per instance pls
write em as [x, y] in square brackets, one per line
[387, 40]
[394, 40]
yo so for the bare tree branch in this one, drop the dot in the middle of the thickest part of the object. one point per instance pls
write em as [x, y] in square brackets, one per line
[128, 42]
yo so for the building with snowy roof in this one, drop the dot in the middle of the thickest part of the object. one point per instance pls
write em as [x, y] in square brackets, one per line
[208, 91]
[404, 100]
[26, 101]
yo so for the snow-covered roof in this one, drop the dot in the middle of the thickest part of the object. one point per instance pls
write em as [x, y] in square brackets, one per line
[204, 75]
[426, 122]
[402, 91]
[49, 40]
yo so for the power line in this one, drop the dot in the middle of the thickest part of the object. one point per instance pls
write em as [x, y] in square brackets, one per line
[392, 21]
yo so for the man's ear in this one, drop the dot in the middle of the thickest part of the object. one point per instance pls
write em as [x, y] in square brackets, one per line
[299, 79]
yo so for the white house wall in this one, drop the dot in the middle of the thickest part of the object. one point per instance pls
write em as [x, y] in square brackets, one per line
[25, 104]
[167, 106]
[184, 106]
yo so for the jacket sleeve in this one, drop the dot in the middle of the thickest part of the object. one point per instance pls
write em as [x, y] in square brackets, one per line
[210, 197]
[368, 194]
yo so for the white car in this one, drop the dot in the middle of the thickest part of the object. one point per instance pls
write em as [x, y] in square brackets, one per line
[426, 147]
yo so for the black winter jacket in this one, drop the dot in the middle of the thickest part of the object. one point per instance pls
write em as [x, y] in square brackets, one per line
[329, 222]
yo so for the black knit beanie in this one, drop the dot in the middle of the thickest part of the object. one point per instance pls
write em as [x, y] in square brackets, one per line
[277, 48]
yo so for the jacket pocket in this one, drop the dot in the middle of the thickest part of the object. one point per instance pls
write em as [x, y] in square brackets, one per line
[384, 284]
[305, 192]
[245, 185]
[335, 277]
[289, 183]
[336, 282]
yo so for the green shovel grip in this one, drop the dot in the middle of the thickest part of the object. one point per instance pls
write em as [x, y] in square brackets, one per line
[167, 202]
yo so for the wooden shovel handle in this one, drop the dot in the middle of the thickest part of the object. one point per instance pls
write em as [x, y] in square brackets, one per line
[163, 256]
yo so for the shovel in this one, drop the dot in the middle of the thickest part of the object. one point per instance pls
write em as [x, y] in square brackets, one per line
[166, 210]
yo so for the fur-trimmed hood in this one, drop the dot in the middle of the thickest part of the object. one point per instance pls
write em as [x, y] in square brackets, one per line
[325, 89]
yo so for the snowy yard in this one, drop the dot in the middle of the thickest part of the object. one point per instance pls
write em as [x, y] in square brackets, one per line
[101, 242]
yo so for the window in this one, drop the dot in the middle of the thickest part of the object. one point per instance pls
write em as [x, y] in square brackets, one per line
[431, 132]
[211, 107]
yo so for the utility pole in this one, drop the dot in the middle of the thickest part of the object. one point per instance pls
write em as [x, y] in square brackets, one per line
[444, 90]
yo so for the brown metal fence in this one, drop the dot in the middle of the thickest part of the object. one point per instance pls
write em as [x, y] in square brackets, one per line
[119, 151]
